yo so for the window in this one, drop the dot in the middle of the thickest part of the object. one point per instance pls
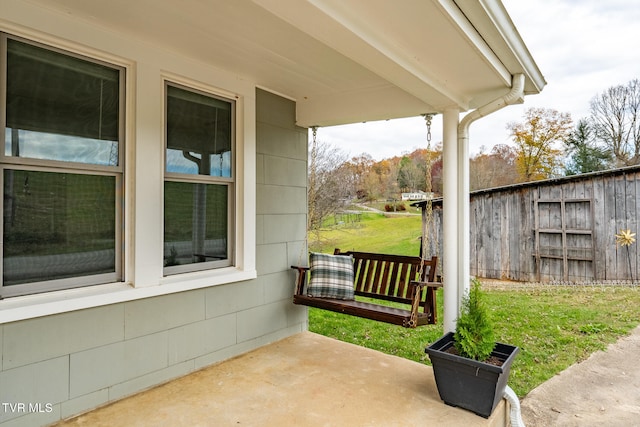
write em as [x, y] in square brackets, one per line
[199, 180]
[62, 173]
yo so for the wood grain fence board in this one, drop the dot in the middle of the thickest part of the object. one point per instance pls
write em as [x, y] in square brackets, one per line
[483, 236]
[515, 237]
[589, 196]
[496, 237]
[476, 249]
[621, 223]
[480, 237]
[529, 262]
[631, 213]
[599, 223]
[473, 239]
[635, 251]
[609, 228]
[505, 235]
[487, 231]
[536, 266]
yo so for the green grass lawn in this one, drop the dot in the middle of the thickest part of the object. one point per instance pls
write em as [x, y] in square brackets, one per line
[554, 326]
[373, 233]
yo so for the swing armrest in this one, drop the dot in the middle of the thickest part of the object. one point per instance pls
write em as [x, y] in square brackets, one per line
[419, 284]
[416, 293]
[301, 279]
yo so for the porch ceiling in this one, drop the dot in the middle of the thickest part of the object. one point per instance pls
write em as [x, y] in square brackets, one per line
[342, 61]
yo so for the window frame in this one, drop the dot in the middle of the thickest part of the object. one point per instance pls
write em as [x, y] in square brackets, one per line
[230, 182]
[67, 167]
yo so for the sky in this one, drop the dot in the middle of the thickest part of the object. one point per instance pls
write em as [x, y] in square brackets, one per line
[582, 47]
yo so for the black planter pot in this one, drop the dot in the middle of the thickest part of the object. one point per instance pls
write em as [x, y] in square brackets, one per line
[467, 383]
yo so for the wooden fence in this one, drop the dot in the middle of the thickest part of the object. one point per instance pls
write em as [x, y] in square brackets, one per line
[555, 230]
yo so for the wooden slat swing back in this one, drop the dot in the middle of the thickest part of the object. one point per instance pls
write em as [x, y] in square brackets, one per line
[408, 280]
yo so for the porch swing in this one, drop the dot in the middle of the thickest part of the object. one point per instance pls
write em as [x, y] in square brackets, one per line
[331, 282]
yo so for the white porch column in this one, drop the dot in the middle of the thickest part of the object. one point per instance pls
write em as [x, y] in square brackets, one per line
[464, 227]
[451, 209]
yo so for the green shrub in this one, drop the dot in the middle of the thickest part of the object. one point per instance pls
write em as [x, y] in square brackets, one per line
[474, 334]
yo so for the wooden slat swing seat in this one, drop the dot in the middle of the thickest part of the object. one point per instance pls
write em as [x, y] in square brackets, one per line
[408, 280]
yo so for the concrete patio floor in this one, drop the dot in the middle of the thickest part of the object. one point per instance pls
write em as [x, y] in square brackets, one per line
[303, 380]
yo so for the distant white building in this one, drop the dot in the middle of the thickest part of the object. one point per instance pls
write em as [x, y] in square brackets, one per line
[417, 195]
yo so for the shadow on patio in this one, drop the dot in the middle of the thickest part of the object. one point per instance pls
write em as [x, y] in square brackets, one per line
[304, 380]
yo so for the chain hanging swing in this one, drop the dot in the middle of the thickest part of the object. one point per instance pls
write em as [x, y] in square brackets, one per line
[311, 192]
[313, 163]
[428, 244]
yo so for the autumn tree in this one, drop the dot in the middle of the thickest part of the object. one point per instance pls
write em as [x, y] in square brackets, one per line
[429, 161]
[358, 170]
[615, 117]
[536, 140]
[381, 181]
[494, 168]
[584, 155]
[436, 173]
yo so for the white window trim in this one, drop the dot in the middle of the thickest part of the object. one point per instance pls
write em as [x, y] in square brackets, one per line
[244, 246]
[49, 303]
[68, 167]
[192, 178]
[45, 304]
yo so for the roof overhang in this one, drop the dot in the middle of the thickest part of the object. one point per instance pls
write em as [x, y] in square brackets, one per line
[342, 61]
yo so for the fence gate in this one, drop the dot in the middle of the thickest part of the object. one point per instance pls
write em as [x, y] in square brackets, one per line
[564, 247]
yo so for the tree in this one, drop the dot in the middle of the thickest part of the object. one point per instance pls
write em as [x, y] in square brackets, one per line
[584, 155]
[536, 139]
[493, 169]
[381, 182]
[409, 175]
[359, 169]
[429, 161]
[414, 167]
[327, 178]
[615, 116]
[436, 172]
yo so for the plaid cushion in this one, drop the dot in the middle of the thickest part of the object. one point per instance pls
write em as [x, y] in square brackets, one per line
[331, 276]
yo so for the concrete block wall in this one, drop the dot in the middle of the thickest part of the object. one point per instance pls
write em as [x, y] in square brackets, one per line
[65, 364]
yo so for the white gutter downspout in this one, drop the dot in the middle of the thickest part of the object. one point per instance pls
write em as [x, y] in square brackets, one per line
[456, 250]
[515, 96]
